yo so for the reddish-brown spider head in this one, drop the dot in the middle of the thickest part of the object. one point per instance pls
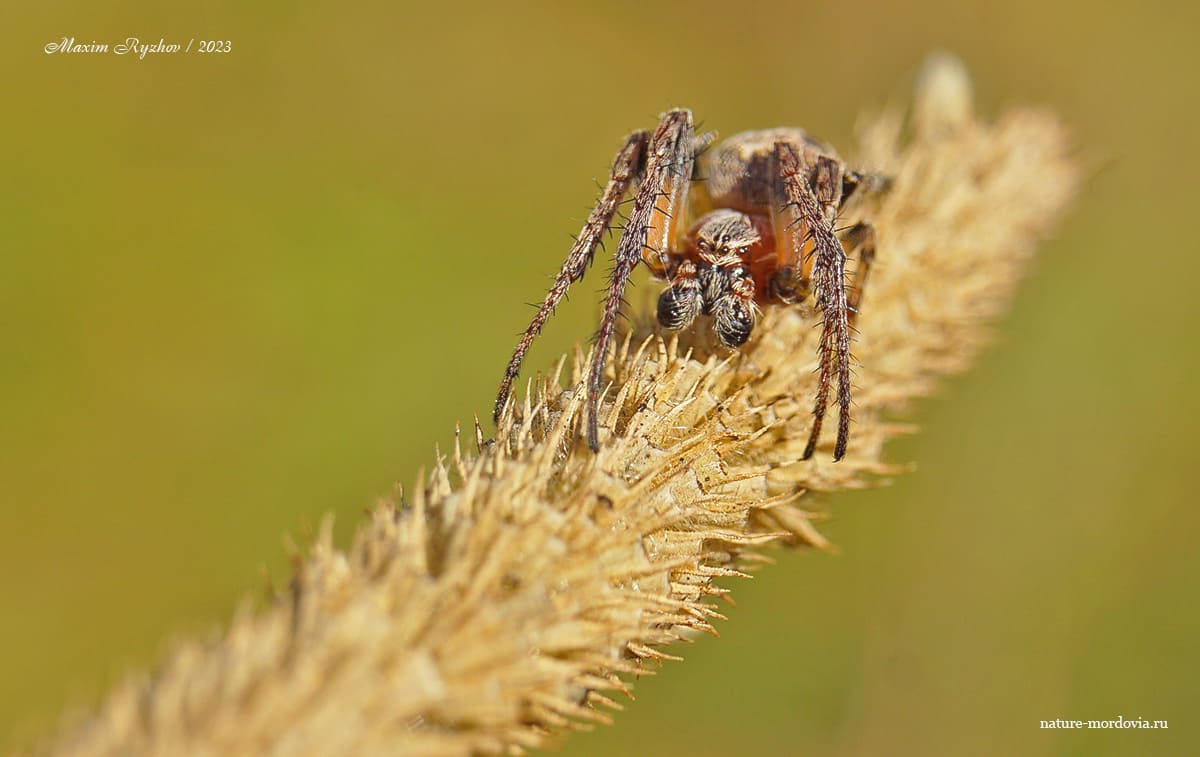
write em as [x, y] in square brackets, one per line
[714, 274]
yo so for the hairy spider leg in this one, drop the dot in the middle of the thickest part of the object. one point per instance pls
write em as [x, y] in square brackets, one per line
[860, 239]
[626, 168]
[864, 181]
[658, 209]
[812, 206]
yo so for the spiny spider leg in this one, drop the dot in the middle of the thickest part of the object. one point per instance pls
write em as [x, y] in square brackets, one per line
[814, 208]
[626, 169]
[649, 231]
[864, 181]
[860, 238]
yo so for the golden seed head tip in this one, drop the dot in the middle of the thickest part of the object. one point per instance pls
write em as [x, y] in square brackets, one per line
[944, 99]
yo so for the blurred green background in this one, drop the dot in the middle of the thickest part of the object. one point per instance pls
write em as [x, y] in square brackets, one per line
[238, 291]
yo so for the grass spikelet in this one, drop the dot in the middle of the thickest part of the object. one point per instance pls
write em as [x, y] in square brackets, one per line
[524, 581]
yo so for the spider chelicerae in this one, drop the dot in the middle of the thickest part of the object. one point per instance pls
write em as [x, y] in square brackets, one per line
[764, 233]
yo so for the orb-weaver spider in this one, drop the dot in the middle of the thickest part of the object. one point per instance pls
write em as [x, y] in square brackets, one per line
[764, 233]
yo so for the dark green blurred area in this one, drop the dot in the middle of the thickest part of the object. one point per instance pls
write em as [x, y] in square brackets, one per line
[239, 291]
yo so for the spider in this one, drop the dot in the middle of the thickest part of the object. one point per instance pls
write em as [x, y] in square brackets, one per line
[763, 233]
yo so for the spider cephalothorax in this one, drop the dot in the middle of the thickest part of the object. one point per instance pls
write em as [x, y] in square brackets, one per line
[763, 233]
[711, 275]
